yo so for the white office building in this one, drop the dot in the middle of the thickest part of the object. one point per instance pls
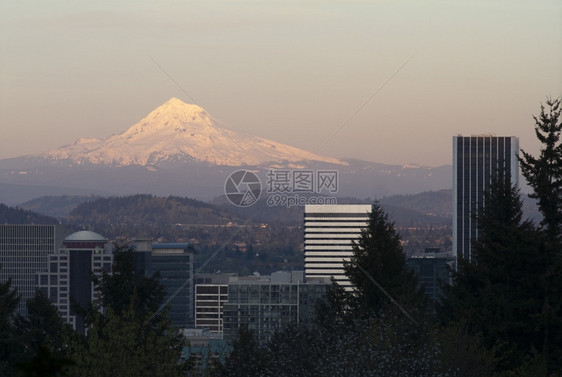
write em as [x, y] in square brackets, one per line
[328, 232]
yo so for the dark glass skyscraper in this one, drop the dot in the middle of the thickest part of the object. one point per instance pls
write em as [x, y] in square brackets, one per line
[174, 264]
[476, 160]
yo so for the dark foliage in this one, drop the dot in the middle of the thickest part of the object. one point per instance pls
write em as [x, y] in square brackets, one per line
[146, 214]
[378, 269]
[544, 173]
[118, 289]
[125, 337]
[10, 215]
[45, 363]
[43, 328]
[499, 296]
[56, 205]
[247, 358]
[11, 345]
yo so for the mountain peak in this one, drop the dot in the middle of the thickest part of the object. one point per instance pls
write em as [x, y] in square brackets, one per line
[180, 131]
[177, 109]
[177, 105]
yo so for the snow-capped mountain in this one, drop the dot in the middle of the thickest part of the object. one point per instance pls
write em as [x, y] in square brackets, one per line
[179, 149]
[179, 131]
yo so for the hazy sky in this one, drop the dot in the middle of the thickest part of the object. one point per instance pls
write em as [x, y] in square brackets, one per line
[291, 71]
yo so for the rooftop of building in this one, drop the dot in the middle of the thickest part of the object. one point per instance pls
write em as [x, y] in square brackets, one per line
[85, 235]
[170, 245]
[338, 208]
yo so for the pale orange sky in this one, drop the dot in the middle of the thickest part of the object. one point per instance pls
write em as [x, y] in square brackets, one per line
[283, 70]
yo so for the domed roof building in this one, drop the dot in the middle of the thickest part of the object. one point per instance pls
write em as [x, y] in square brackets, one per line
[68, 279]
[85, 235]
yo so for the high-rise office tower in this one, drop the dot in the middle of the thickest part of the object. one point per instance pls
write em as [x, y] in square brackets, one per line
[68, 278]
[24, 251]
[476, 161]
[328, 232]
[174, 264]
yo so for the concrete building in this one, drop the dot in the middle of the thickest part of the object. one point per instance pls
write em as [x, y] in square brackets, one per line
[328, 232]
[24, 251]
[209, 302]
[211, 293]
[267, 304]
[476, 161]
[68, 277]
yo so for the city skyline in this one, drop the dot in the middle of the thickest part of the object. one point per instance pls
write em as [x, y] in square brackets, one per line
[375, 81]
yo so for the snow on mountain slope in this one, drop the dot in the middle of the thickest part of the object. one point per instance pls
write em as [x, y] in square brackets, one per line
[177, 130]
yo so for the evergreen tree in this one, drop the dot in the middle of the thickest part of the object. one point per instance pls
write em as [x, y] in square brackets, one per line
[43, 327]
[11, 347]
[45, 364]
[544, 173]
[124, 345]
[499, 296]
[378, 269]
[247, 358]
[125, 281]
[124, 337]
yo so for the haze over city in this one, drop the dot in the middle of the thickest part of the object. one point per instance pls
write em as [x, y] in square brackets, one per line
[287, 71]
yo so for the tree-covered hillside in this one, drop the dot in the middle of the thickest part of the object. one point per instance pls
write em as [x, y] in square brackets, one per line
[11, 215]
[151, 215]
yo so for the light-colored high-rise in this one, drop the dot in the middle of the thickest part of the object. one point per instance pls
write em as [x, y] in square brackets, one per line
[328, 232]
[476, 161]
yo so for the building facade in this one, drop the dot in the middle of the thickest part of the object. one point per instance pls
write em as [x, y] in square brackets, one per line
[25, 251]
[209, 302]
[432, 269]
[68, 279]
[174, 264]
[328, 232]
[267, 304]
[476, 161]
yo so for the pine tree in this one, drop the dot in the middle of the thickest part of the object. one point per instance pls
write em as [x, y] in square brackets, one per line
[11, 346]
[124, 282]
[544, 175]
[124, 345]
[43, 327]
[247, 358]
[378, 269]
[499, 296]
[126, 338]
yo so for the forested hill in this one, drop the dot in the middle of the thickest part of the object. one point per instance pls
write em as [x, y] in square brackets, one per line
[11, 215]
[146, 215]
